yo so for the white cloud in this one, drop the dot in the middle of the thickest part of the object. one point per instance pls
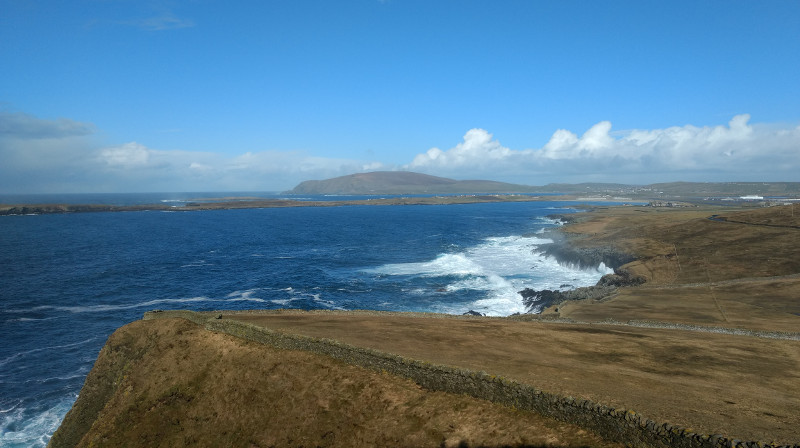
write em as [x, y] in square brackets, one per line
[477, 147]
[129, 155]
[38, 155]
[738, 151]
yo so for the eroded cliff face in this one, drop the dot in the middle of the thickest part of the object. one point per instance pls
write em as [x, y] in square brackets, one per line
[169, 382]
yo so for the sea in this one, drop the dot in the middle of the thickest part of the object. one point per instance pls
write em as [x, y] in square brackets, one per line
[67, 281]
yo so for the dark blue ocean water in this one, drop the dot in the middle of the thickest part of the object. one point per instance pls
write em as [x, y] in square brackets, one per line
[67, 281]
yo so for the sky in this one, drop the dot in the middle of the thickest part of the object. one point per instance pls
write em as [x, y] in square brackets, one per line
[207, 95]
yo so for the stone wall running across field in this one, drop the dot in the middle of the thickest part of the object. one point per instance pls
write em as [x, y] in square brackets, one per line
[619, 425]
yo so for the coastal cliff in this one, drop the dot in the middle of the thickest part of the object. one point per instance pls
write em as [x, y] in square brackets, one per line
[169, 382]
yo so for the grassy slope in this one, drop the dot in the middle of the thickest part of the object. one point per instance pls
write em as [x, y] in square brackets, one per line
[735, 273]
[739, 386]
[170, 383]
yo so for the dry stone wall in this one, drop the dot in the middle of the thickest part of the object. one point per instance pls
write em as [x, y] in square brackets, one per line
[625, 426]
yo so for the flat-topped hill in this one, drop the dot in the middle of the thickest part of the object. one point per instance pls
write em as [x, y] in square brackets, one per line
[403, 182]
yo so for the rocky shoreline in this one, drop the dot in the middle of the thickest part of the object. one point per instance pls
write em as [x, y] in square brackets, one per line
[538, 300]
[222, 204]
[566, 252]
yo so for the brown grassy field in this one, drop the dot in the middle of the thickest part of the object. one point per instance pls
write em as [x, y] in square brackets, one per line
[740, 386]
[740, 274]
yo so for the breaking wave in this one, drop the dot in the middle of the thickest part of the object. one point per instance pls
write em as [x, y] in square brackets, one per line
[499, 268]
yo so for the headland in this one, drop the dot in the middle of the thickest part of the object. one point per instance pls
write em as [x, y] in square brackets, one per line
[705, 352]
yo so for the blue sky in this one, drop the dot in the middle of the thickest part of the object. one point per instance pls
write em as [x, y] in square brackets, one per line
[205, 95]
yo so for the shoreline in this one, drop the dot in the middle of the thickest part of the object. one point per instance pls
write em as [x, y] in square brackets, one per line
[40, 209]
[737, 271]
[566, 250]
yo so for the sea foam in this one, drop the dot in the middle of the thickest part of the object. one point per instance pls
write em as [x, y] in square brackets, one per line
[498, 267]
[19, 429]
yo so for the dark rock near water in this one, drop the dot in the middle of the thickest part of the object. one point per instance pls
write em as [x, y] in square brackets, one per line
[621, 277]
[565, 218]
[532, 298]
[586, 257]
[473, 313]
[607, 285]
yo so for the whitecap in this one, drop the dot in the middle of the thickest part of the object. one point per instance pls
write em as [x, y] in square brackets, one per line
[109, 307]
[20, 430]
[21, 354]
[498, 268]
[16, 404]
[244, 296]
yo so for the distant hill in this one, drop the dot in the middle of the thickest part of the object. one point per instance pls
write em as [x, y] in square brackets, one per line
[680, 189]
[404, 182]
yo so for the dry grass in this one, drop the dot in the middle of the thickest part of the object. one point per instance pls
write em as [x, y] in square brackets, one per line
[176, 384]
[700, 271]
[740, 386]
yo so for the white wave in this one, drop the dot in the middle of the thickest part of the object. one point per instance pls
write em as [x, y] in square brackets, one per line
[17, 402]
[236, 296]
[18, 431]
[445, 264]
[499, 267]
[109, 307]
[244, 296]
[327, 303]
[31, 319]
[21, 354]
[81, 374]
[196, 264]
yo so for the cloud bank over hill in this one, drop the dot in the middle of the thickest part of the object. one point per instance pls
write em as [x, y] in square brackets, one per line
[738, 151]
[62, 155]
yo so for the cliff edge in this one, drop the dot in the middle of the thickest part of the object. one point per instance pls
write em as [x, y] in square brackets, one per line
[169, 382]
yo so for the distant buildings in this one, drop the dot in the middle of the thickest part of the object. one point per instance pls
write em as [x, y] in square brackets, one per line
[669, 204]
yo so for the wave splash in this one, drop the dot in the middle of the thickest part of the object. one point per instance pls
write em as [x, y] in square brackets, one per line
[498, 268]
[21, 427]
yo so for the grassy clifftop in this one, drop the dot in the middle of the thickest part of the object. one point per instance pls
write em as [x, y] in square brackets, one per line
[170, 382]
[706, 266]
